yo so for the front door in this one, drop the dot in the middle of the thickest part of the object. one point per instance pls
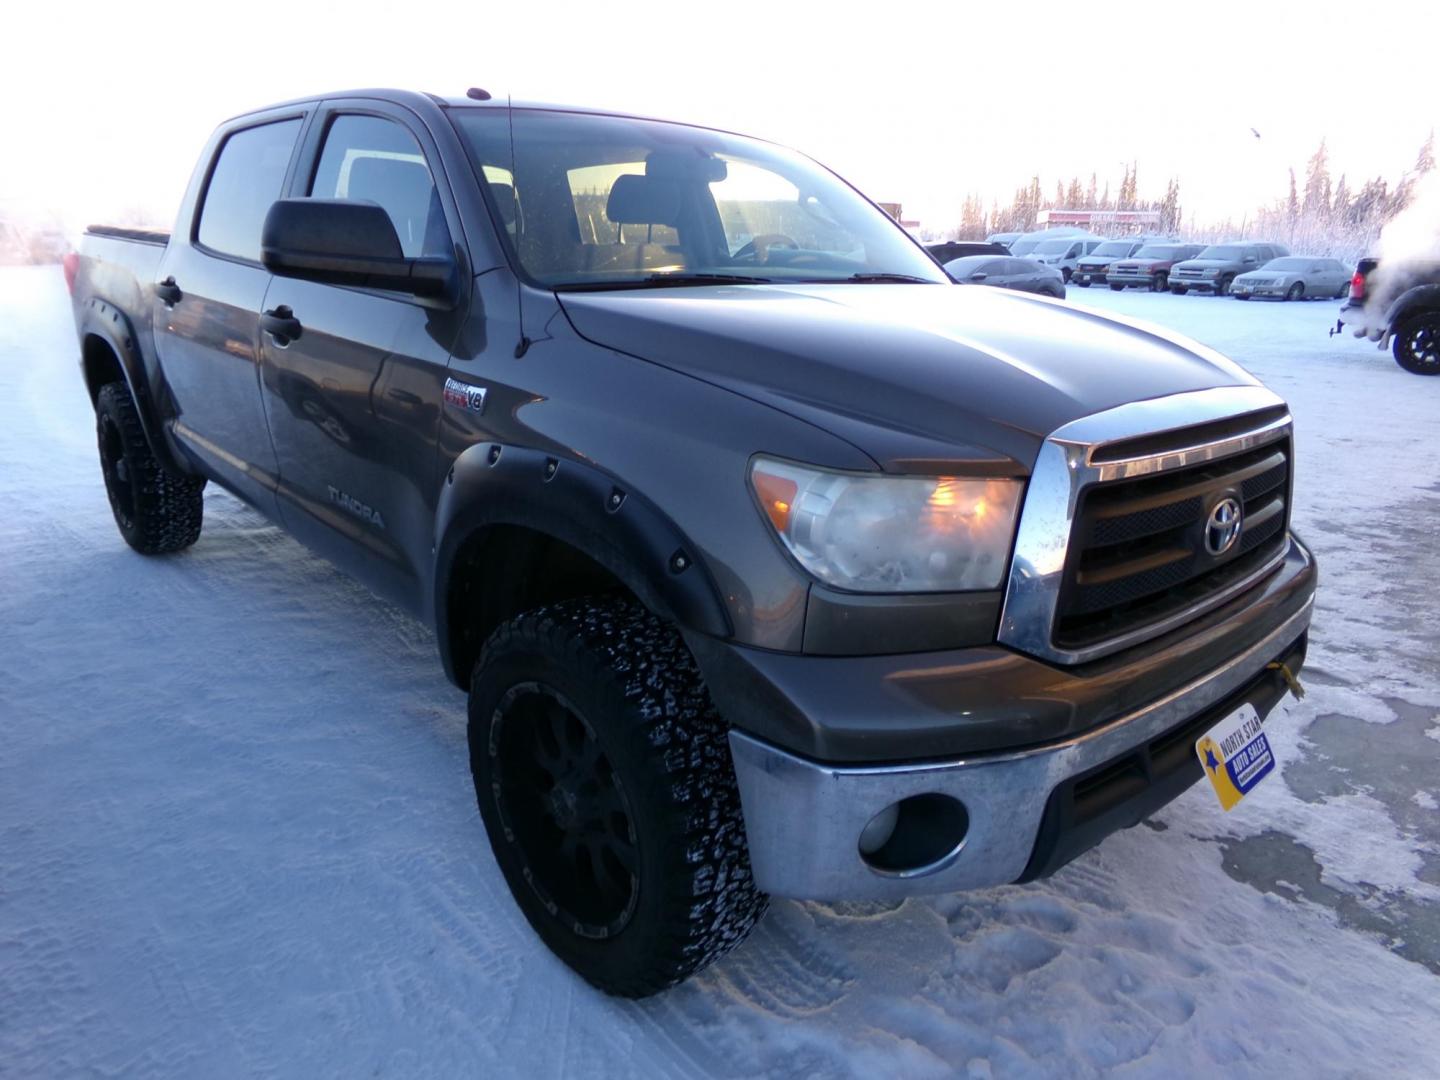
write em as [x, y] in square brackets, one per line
[207, 307]
[354, 399]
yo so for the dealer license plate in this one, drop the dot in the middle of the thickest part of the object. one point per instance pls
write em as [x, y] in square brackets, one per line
[1235, 755]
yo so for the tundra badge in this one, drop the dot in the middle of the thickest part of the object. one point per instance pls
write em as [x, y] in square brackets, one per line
[464, 396]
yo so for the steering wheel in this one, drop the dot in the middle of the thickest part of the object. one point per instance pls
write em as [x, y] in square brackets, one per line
[758, 249]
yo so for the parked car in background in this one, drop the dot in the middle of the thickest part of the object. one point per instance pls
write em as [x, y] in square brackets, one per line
[1004, 239]
[1026, 275]
[1150, 266]
[1295, 277]
[1091, 269]
[1401, 310]
[947, 250]
[1063, 252]
[1028, 242]
[1215, 268]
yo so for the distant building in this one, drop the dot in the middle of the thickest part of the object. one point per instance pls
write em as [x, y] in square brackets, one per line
[1115, 221]
[893, 209]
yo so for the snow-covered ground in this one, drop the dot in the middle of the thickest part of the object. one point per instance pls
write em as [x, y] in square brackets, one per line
[237, 835]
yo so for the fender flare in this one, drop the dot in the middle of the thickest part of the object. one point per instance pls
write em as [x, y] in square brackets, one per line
[105, 321]
[576, 503]
[1417, 296]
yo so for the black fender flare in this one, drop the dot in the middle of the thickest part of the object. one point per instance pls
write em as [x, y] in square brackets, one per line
[578, 504]
[105, 321]
[1426, 297]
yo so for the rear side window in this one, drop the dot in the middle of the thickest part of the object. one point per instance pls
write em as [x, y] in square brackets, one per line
[372, 159]
[246, 179]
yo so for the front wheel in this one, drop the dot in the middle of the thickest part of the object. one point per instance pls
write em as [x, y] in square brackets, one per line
[1417, 344]
[1160, 283]
[1179, 290]
[1295, 292]
[1222, 287]
[1065, 273]
[604, 779]
[156, 510]
[1117, 288]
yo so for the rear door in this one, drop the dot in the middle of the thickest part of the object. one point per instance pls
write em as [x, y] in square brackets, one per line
[354, 401]
[207, 307]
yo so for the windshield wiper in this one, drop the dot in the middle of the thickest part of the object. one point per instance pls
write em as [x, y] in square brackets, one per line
[663, 279]
[895, 279]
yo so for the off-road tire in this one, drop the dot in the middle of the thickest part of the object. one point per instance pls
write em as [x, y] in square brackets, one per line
[630, 677]
[1416, 346]
[156, 510]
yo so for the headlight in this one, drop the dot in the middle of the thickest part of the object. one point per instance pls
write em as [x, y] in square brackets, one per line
[890, 534]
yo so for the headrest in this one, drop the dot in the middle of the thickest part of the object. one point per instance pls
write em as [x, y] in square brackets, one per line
[504, 201]
[643, 200]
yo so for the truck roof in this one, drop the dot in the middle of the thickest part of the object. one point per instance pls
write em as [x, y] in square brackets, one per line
[419, 100]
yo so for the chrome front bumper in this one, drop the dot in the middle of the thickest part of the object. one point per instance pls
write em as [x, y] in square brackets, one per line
[804, 819]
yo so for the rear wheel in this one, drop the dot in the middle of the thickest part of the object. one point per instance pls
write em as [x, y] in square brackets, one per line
[604, 779]
[1342, 292]
[1295, 292]
[1417, 344]
[157, 511]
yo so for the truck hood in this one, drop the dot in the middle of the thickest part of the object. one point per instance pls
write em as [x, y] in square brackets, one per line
[911, 374]
[1207, 264]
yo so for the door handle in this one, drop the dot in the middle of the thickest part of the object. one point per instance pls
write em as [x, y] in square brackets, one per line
[281, 324]
[168, 291]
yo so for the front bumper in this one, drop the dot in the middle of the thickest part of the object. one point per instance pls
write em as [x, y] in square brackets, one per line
[1027, 813]
[1242, 288]
[1212, 284]
[1113, 278]
[1082, 276]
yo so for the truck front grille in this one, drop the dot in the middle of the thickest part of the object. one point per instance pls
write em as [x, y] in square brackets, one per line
[1138, 553]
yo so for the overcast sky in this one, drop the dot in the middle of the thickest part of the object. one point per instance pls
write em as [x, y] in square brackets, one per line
[104, 107]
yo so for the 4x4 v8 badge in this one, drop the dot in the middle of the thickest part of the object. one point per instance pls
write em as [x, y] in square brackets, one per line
[464, 396]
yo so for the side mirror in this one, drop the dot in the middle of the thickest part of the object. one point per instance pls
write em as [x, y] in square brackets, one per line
[978, 275]
[343, 242]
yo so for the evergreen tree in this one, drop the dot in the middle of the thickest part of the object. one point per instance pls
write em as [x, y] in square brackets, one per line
[1317, 184]
[1170, 208]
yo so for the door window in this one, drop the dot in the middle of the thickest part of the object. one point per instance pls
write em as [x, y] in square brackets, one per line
[372, 159]
[246, 179]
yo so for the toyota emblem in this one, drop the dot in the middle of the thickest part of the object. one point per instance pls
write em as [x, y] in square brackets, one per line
[1222, 528]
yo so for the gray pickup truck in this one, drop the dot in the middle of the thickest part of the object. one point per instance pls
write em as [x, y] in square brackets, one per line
[771, 562]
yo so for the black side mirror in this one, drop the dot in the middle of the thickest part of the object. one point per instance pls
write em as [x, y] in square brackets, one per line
[343, 242]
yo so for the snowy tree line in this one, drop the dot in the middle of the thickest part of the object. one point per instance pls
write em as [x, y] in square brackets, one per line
[1322, 216]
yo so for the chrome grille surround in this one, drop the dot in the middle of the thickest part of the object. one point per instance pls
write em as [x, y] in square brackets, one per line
[1075, 456]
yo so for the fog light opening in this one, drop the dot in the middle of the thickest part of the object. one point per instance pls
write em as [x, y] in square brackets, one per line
[918, 835]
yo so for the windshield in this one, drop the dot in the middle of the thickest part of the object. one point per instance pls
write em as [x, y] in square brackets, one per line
[1113, 248]
[1053, 247]
[1023, 247]
[606, 201]
[1288, 264]
[1158, 251]
[1220, 251]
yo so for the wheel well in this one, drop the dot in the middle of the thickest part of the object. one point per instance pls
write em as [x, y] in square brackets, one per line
[100, 363]
[504, 570]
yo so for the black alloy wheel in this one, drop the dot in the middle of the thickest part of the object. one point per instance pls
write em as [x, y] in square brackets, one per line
[565, 809]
